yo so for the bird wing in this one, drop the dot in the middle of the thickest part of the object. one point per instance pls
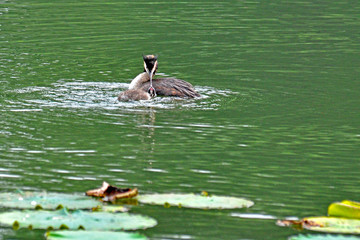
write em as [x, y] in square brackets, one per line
[172, 87]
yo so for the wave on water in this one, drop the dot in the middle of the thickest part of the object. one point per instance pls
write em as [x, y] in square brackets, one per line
[85, 95]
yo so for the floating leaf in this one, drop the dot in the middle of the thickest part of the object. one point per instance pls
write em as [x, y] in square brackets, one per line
[195, 201]
[111, 193]
[333, 225]
[112, 209]
[346, 209]
[36, 200]
[323, 237]
[351, 203]
[93, 235]
[76, 220]
[326, 224]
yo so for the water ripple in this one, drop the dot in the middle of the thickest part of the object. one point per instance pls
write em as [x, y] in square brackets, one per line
[87, 95]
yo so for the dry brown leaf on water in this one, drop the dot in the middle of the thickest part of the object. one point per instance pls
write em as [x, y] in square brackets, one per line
[99, 192]
[287, 223]
[309, 223]
[304, 223]
[111, 193]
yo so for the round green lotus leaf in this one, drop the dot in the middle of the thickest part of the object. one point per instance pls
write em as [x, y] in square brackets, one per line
[195, 201]
[94, 235]
[37, 200]
[332, 225]
[62, 219]
[323, 237]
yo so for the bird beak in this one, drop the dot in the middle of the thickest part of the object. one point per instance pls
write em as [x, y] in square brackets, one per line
[154, 68]
[152, 71]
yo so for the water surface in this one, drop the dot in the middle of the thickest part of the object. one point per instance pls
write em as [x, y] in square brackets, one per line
[277, 123]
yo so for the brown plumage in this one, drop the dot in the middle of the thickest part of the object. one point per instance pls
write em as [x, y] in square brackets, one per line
[172, 87]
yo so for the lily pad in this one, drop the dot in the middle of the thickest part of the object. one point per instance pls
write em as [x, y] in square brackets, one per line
[62, 219]
[346, 209]
[351, 203]
[333, 225]
[195, 201]
[323, 237]
[325, 224]
[37, 200]
[111, 209]
[94, 235]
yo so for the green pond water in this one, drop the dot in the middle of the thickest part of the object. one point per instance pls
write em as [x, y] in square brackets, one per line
[278, 121]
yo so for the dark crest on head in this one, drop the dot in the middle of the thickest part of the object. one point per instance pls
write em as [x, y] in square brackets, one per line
[149, 61]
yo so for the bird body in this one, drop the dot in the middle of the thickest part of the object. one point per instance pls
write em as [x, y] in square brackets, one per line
[143, 86]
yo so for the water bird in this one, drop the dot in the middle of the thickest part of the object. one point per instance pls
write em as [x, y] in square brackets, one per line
[144, 87]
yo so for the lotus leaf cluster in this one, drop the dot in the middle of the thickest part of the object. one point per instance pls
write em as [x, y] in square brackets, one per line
[101, 221]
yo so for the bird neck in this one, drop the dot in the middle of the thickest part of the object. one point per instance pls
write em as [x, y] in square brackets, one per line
[139, 80]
